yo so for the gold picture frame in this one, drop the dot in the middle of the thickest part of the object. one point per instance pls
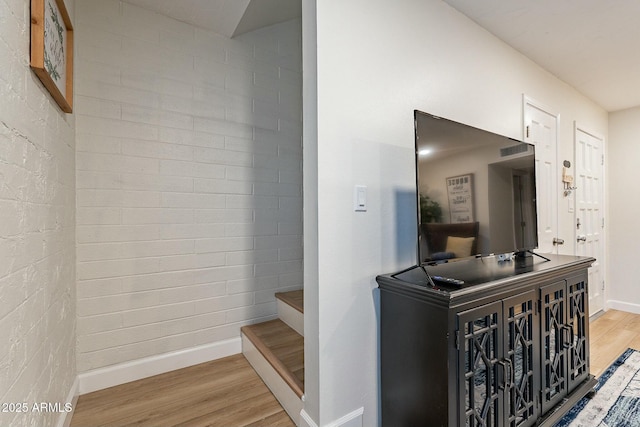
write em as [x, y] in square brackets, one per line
[52, 49]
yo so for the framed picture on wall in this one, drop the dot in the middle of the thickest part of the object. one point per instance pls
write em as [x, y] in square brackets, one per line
[460, 195]
[52, 49]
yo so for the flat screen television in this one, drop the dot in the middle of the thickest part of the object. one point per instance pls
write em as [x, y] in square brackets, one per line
[476, 192]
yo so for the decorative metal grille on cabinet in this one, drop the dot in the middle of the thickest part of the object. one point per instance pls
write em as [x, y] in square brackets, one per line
[481, 345]
[554, 377]
[579, 353]
[519, 346]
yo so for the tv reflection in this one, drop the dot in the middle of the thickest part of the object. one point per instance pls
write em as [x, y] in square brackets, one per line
[477, 192]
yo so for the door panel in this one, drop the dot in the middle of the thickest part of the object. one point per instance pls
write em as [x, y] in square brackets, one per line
[541, 130]
[589, 208]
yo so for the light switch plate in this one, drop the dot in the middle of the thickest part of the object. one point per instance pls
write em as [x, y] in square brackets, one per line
[360, 198]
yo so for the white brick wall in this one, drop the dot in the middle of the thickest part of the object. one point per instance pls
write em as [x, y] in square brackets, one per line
[37, 237]
[189, 204]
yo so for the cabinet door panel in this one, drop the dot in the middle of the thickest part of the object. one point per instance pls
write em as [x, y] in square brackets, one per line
[552, 340]
[479, 382]
[521, 349]
[578, 353]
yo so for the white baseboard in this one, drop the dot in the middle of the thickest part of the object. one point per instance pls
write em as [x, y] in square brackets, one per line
[121, 373]
[352, 419]
[306, 420]
[624, 306]
[64, 419]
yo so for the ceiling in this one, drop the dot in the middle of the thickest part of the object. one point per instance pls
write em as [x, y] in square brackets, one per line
[590, 44]
[227, 17]
[593, 45]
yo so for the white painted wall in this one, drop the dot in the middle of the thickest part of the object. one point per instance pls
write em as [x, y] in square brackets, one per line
[37, 232]
[624, 209]
[189, 181]
[311, 409]
[377, 61]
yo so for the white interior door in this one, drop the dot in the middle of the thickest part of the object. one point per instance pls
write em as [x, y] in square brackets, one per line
[589, 208]
[540, 129]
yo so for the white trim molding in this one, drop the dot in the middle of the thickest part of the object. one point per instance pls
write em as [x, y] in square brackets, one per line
[64, 419]
[306, 420]
[623, 306]
[121, 373]
[352, 419]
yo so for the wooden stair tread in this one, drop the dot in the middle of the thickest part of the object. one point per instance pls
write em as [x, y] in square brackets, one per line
[293, 298]
[283, 348]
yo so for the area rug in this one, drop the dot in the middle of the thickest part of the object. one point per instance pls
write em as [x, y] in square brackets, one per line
[617, 400]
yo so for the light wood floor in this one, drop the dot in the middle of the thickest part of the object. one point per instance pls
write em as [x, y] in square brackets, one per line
[610, 335]
[225, 393]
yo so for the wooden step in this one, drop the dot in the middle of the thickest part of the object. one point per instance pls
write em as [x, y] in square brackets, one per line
[290, 309]
[276, 352]
[295, 299]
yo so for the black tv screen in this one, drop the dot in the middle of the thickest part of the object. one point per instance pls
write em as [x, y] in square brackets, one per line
[476, 191]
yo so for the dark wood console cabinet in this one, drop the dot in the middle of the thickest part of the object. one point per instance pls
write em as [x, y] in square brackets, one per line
[509, 347]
